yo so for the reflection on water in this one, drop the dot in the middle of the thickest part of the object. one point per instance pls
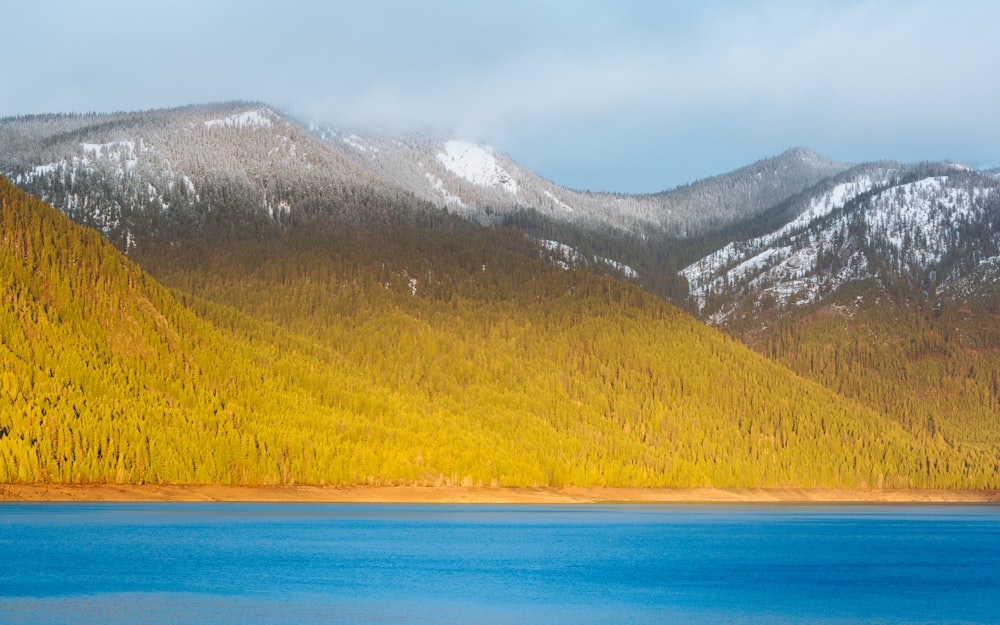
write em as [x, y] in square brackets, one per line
[352, 563]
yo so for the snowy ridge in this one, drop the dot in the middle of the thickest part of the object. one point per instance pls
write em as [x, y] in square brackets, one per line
[477, 164]
[129, 179]
[490, 185]
[834, 199]
[910, 226]
[745, 258]
[269, 163]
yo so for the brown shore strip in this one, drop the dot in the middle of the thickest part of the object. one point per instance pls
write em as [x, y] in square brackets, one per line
[457, 494]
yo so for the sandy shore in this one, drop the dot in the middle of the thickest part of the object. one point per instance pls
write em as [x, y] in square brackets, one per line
[455, 494]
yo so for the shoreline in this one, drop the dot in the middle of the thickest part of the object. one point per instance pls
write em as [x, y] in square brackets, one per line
[473, 495]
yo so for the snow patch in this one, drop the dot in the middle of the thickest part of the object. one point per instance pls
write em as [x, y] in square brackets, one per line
[438, 185]
[558, 202]
[566, 256]
[114, 150]
[120, 152]
[261, 118]
[477, 164]
[189, 185]
[931, 210]
[561, 255]
[283, 208]
[357, 143]
[627, 271]
[39, 171]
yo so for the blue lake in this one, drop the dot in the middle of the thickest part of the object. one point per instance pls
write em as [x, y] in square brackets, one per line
[350, 563]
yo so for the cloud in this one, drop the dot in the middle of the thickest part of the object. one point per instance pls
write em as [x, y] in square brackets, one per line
[866, 66]
[869, 79]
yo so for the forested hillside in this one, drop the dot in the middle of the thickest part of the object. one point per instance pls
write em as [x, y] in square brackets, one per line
[430, 352]
[934, 372]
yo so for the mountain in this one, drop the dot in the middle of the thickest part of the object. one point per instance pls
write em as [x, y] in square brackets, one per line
[225, 170]
[481, 183]
[157, 173]
[162, 175]
[362, 309]
[919, 231]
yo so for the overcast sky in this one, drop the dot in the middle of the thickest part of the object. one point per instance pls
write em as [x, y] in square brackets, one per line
[616, 95]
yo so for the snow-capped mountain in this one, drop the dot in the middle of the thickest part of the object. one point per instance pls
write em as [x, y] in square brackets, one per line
[133, 175]
[921, 229]
[167, 173]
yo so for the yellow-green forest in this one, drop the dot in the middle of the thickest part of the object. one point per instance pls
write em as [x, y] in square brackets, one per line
[427, 353]
[935, 372]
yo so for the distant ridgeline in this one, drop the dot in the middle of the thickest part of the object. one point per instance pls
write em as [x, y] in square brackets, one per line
[418, 353]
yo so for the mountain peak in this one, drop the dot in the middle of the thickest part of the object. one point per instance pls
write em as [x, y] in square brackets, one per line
[809, 156]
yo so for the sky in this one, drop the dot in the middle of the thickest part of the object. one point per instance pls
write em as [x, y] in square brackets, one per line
[619, 95]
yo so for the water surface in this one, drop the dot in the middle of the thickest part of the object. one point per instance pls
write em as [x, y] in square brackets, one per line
[484, 564]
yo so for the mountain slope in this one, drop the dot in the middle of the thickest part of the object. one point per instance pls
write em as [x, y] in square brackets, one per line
[910, 228]
[166, 174]
[105, 377]
[385, 356]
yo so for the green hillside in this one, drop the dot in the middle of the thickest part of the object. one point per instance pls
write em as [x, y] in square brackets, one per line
[435, 352]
